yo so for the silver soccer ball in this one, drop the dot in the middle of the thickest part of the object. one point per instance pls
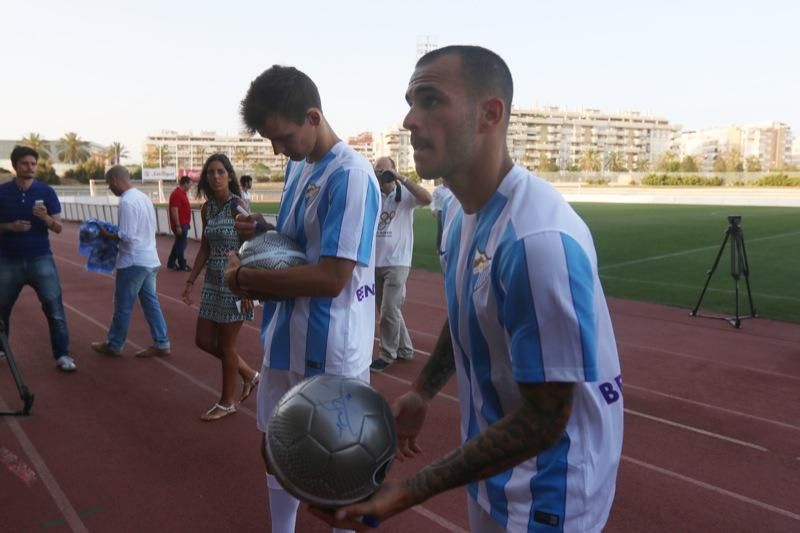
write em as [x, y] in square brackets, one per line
[331, 440]
[271, 250]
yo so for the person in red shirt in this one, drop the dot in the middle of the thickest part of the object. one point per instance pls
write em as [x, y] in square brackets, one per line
[180, 213]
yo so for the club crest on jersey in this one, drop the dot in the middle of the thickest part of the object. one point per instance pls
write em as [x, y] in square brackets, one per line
[480, 262]
[481, 268]
[311, 191]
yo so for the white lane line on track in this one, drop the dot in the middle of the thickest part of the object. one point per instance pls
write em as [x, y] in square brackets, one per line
[62, 502]
[419, 509]
[696, 430]
[449, 397]
[714, 488]
[454, 399]
[647, 348]
[715, 407]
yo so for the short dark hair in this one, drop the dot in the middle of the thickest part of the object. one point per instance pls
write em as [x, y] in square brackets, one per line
[246, 179]
[204, 188]
[20, 151]
[184, 180]
[282, 90]
[485, 73]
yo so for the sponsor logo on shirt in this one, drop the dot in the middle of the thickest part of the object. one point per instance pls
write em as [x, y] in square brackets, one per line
[365, 291]
[386, 219]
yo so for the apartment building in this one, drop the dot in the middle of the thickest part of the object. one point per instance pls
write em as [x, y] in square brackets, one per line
[796, 152]
[395, 142]
[186, 152]
[769, 142]
[563, 137]
[364, 144]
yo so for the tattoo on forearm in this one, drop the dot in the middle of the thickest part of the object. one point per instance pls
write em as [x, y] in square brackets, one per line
[440, 366]
[533, 428]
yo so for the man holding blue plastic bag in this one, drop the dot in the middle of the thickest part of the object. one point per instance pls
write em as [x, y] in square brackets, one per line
[137, 268]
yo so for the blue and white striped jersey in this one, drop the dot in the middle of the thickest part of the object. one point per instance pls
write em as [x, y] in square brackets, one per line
[329, 207]
[525, 305]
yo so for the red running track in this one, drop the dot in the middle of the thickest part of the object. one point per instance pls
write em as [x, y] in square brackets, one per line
[712, 429]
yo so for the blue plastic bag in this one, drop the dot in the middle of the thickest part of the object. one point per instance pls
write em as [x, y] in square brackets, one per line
[102, 253]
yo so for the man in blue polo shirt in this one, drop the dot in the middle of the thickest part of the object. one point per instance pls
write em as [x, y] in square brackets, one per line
[29, 210]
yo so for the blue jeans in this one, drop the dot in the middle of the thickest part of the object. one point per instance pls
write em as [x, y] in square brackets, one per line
[41, 274]
[176, 255]
[131, 282]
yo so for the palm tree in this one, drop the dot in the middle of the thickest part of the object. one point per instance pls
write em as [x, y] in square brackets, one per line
[34, 140]
[116, 152]
[243, 155]
[614, 163]
[590, 161]
[73, 149]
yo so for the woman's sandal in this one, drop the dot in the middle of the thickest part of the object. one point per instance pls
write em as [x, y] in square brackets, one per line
[249, 386]
[218, 411]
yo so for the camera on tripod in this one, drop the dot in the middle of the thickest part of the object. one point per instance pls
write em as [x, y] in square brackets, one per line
[739, 270]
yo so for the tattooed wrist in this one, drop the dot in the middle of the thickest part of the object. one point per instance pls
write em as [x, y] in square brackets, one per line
[531, 429]
[440, 366]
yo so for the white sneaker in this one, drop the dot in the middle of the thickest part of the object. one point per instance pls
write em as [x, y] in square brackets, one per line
[66, 363]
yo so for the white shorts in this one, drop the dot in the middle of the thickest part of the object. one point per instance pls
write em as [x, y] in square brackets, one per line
[273, 385]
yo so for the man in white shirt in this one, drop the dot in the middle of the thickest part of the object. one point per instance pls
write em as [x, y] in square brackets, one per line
[137, 268]
[394, 244]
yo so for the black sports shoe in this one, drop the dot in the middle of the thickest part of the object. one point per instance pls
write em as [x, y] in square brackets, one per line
[379, 365]
[184, 268]
[172, 267]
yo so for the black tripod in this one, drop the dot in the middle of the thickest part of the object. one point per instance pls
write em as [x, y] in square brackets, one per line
[739, 269]
[24, 394]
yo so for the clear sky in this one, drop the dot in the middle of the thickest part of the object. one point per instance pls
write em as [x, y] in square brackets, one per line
[116, 71]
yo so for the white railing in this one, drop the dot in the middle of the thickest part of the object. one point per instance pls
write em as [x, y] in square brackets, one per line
[79, 208]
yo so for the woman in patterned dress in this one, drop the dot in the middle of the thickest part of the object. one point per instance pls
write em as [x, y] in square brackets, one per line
[220, 320]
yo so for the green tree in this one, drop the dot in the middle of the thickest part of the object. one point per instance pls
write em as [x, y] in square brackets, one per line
[547, 164]
[753, 164]
[72, 149]
[46, 173]
[261, 172]
[116, 153]
[135, 172]
[34, 140]
[720, 165]
[242, 156]
[642, 164]
[589, 161]
[688, 164]
[614, 163]
[733, 159]
[90, 170]
[668, 162]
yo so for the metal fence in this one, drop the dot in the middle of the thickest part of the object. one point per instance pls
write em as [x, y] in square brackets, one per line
[80, 208]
